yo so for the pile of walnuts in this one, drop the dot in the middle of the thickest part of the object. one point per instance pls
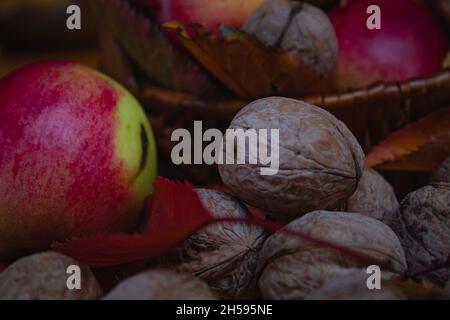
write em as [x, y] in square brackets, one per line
[322, 168]
[321, 192]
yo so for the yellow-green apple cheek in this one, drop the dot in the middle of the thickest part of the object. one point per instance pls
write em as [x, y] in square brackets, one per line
[135, 137]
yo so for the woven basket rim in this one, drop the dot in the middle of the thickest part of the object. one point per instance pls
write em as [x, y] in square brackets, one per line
[184, 100]
[371, 113]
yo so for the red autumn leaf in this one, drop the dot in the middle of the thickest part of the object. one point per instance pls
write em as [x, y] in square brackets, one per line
[175, 208]
[420, 146]
[175, 213]
[246, 66]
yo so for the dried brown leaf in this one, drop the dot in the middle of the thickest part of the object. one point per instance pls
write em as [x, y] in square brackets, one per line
[247, 67]
[420, 146]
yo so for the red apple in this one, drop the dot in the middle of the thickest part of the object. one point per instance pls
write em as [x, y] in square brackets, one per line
[210, 13]
[410, 43]
[77, 155]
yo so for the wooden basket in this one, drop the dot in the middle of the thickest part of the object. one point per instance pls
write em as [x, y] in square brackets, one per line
[371, 113]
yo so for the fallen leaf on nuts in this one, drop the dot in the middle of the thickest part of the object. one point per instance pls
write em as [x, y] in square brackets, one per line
[175, 214]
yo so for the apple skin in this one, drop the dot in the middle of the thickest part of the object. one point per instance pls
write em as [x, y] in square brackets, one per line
[77, 156]
[410, 43]
[210, 13]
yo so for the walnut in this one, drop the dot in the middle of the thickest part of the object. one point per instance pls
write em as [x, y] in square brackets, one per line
[374, 198]
[160, 285]
[319, 158]
[224, 254]
[442, 174]
[44, 276]
[290, 268]
[424, 229]
[299, 28]
[354, 287]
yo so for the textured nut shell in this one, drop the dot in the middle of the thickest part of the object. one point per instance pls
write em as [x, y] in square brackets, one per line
[442, 174]
[291, 268]
[43, 277]
[374, 198]
[320, 159]
[270, 20]
[160, 285]
[354, 287]
[224, 254]
[298, 28]
[424, 229]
